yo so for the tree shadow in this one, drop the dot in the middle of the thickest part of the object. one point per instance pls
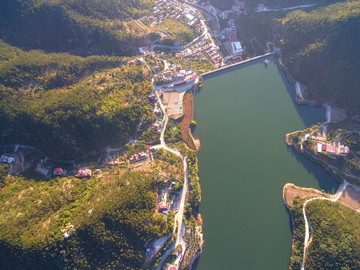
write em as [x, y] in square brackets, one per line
[326, 182]
[306, 112]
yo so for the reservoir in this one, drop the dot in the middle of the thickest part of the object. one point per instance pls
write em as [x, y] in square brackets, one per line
[243, 115]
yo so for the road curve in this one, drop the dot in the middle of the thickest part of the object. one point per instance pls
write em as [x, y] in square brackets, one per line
[179, 215]
[307, 232]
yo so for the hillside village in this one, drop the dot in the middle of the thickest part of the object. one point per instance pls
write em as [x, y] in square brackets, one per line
[170, 85]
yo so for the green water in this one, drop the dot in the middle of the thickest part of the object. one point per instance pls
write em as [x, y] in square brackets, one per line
[244, 163]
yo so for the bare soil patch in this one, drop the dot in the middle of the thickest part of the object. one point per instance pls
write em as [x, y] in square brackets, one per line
[290, 192]
[351, 198]
[185, 123]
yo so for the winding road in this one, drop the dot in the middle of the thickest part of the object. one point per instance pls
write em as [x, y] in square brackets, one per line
[307, 240]
[179, 215]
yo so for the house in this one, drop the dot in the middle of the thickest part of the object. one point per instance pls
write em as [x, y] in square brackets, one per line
[157, 111]
[333, 149]
[42, 170]
[138, 157]
[58, 172]
[237, 48]
[152, 98]
[153, 148]
[83, 173]
[163, 209]
[7, 159]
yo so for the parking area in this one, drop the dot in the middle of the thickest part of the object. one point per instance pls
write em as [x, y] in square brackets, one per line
[174, 103]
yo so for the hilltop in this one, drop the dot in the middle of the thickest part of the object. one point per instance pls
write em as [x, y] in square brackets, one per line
[81, 27]
[69, 105]
[321, 50]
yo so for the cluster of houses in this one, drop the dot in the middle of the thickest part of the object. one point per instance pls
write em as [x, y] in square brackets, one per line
[203, 50]
[153, 98]
[333, 149]
[195, 24]
[230, 39]
[174, 77]
[142, 155]
[157, 126]
[136, 61]
[138, 157]
[47, 171]
[166, 9]
[6, 159]
[237, 9]
[84, 173]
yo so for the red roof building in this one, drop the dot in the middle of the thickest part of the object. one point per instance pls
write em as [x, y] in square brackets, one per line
[138, 157]
[333, 149]
[58, 171]
[163, 208]
[42, 170]
[83, 173]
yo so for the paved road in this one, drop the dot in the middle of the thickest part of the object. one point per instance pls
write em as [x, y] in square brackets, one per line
[179, 215]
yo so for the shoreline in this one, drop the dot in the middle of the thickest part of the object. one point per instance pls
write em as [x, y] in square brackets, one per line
[212, 72]
[347, 194]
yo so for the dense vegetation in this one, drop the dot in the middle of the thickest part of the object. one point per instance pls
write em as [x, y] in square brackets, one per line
[319, 46]
[36, 70]
[298, 234]
[321, 50]
[85, 27]
[335, 243]
[100, 110]
[194, 184]
[112, 214]
[177, 31]
[336, 238]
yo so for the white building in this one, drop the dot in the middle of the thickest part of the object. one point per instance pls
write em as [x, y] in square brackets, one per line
[236, 46]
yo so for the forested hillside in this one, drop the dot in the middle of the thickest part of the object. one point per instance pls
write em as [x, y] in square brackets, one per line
[68, 105]
[335, 239]
[69, 223]
[76, 26]
[321, 50]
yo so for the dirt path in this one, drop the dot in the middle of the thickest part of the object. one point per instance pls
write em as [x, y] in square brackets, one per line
[351, 198]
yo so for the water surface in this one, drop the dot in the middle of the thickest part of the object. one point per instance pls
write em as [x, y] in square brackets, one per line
[242, 116]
